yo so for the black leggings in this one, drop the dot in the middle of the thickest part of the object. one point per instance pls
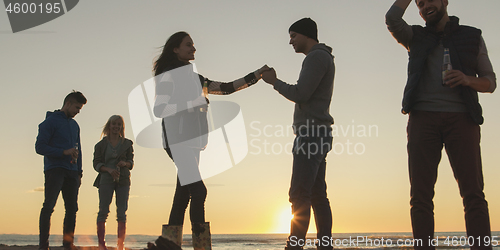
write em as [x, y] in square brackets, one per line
[196, 192]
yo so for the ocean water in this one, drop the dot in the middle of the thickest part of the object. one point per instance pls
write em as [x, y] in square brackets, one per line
[444, 240]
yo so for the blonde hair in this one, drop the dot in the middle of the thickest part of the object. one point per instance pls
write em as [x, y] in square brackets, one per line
[113, 118]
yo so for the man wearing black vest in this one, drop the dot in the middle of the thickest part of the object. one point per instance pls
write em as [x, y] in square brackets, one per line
[444, 110]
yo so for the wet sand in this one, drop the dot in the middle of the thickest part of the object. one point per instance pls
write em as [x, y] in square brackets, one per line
[33, 247]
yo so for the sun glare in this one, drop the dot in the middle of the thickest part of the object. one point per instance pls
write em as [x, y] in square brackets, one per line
[284, 219]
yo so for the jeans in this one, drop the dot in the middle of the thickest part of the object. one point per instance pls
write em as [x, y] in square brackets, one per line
[427, 132]
[196, 192]
[106, 191]
[68, 182]
[308, 187]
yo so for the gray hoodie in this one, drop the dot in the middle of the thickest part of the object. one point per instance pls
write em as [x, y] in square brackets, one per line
[312, 94]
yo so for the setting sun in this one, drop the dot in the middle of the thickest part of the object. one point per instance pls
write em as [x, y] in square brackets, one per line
[257, 158]
[283, 220]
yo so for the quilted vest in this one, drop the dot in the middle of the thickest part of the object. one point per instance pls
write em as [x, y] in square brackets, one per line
[463, 42]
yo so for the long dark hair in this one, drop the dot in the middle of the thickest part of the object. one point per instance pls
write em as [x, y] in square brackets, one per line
[168, 59]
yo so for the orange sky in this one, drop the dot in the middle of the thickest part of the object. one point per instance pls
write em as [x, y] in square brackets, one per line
[105, 52]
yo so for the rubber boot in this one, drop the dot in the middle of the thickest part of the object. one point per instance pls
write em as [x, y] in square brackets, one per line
[172, 233]
[121, 234]
[101, 233]
[202, 239]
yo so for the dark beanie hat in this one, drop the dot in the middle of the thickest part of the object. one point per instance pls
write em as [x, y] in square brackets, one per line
[305, 26]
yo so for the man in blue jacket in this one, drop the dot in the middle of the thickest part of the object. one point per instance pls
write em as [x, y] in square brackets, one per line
[58, 141]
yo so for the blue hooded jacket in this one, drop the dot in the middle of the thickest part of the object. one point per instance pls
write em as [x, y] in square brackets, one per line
[56, 134]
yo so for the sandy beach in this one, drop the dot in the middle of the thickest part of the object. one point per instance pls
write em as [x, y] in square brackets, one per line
[34, 247]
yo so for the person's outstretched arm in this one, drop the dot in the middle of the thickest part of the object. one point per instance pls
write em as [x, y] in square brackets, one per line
[313, 70]
[399, 29]
[226, 88]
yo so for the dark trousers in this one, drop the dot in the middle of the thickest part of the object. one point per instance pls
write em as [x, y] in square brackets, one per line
[68, 182]
[308, 188]
[195, 192]
[427, 133]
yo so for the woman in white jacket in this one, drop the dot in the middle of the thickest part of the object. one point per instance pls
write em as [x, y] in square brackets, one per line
[182, 102]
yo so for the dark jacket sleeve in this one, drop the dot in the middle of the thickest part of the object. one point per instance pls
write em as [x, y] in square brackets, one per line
[130, 155]
[79, 161]
[226, 88]
[45, 132]
[98, 161]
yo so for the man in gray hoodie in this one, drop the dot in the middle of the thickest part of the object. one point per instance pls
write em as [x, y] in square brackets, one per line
[312, 126]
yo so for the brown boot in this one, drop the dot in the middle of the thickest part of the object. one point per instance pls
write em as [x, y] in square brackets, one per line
[121, 235]
[202, 239]
[172, 233]
[101, 233]
[170, 239]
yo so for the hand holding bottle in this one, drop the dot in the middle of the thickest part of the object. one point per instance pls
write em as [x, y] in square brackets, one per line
[114, 172]
[73, 152]
[454, 78]
[446, 66]
[116, 176]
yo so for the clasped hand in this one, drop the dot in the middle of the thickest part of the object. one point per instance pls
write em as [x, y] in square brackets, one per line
[268, 74]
